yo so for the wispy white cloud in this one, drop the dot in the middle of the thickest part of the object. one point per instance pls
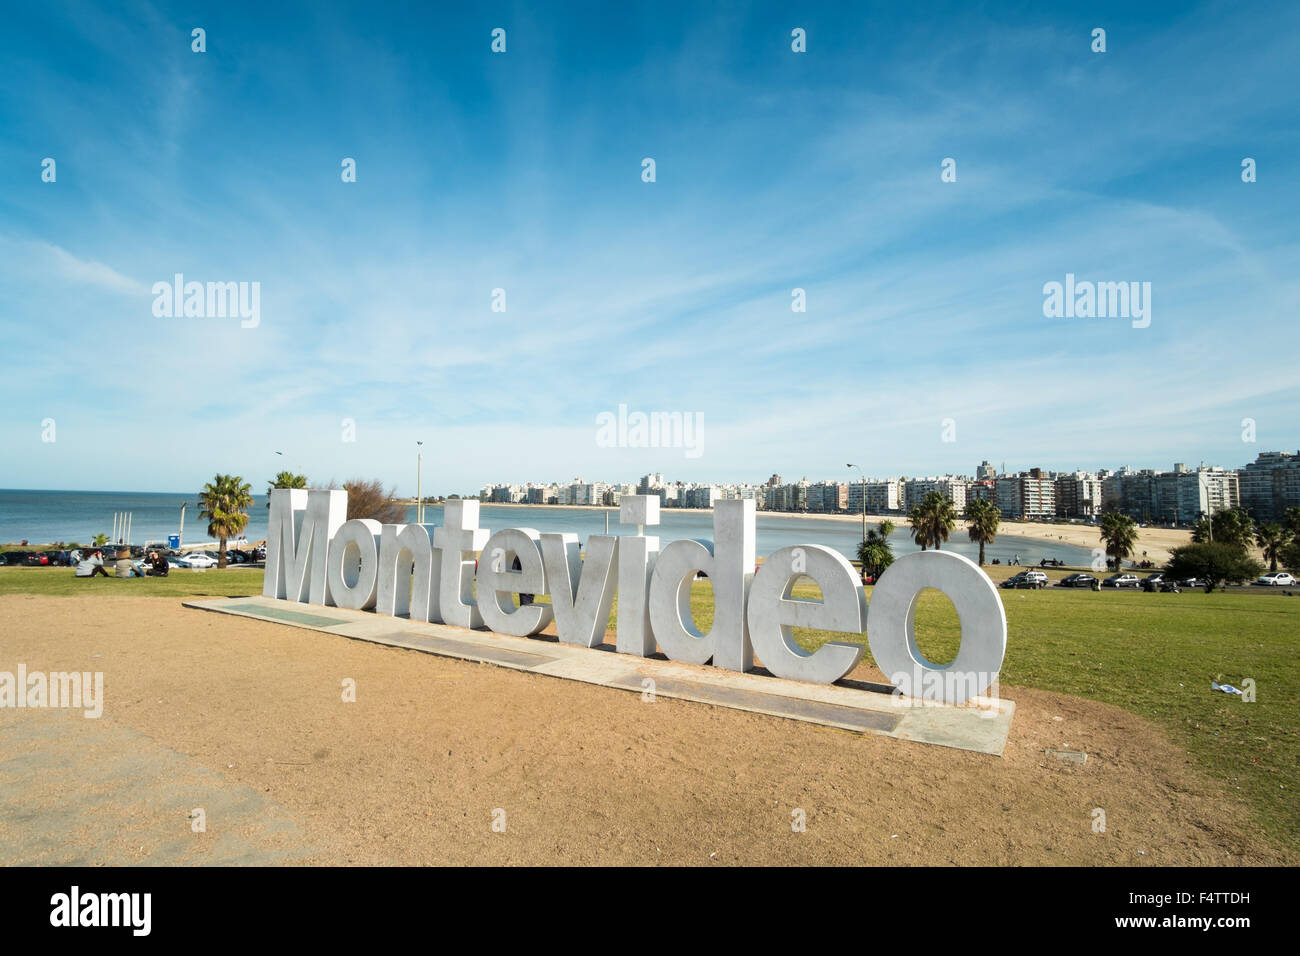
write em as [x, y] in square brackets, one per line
[65, 265]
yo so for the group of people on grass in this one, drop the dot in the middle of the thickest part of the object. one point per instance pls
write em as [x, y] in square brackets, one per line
[91, 564]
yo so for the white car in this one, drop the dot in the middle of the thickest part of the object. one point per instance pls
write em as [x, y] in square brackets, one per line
[1121, 581]
[1278, 579]
[197, 560]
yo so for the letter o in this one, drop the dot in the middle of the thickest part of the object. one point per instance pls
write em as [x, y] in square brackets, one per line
[891, 631]
[352, 575]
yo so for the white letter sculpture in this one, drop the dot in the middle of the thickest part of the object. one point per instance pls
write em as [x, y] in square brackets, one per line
[892, 635]
[498, 583]
[315, 556]
[772, 613]
[298, 535]
[728, 560]
[409, 573]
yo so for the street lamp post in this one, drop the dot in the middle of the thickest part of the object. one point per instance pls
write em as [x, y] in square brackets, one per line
[864, 500]
[419, 475]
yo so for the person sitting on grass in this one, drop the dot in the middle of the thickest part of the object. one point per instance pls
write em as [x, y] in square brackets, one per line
[91, 565]
[158, 565]
[126, 567]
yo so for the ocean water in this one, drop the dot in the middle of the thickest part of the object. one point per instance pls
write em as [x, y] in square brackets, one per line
[49, 516]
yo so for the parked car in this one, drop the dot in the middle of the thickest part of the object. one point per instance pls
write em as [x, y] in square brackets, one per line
[1026, 579]
[1192, 582]
[1121, 581]
[1278, 579]
[1151, 583]
[195, 559]
[59, 558]
[1076, 581]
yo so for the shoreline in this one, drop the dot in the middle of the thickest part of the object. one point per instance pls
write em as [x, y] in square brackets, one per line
[1153, 544]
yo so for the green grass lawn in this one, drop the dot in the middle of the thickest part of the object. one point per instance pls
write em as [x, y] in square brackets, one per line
[1152, 654]
[180, 583]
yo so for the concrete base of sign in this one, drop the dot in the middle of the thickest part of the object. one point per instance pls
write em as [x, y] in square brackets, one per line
[981, 725]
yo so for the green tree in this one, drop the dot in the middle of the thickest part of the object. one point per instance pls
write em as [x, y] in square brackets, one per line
[1272, 538]
[874, 551]
[983, 516]
[1291, 522]
[285, 479]
[1232, 526]
[99, 540]
[1119, 533]
[887, 527]
[932, 520]
[223, 501]
[1290, 557]
[1217, 563]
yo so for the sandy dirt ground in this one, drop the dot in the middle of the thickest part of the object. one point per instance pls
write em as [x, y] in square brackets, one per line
[246, 720]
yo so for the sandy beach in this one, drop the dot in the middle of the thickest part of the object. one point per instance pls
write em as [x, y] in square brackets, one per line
[1155, 542]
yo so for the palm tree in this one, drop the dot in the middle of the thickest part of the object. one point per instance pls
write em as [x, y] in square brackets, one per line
[1234, 527]
[920, 526]
[1291, 521]
[887, 527]
[1120, 533]
[285, 479]
[223, 501]
[100, 540]
[1202, 531]
[874, 551]
[933, 520]
[1272, 538]
[983, 516]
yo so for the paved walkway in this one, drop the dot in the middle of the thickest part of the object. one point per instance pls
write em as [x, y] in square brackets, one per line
[981, 726]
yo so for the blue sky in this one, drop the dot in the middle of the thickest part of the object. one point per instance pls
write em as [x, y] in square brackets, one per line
[522, 171]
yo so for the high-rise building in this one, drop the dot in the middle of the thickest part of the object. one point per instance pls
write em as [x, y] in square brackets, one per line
[883, 497]
[954, 489]
[1270, 485]
[1078, 495]
[1026, 495]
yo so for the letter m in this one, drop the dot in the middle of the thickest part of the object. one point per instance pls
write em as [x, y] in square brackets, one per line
[223, 299]
[66, 688]
[1115, 297]
[115, 909]
[297, 542]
